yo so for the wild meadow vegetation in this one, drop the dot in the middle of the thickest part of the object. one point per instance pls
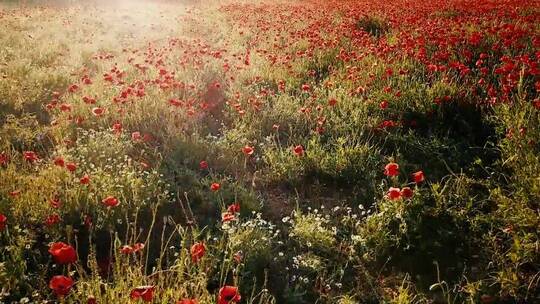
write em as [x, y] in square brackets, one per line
[270, 152]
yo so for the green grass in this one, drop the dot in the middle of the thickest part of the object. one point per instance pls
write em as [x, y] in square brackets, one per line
[312, 228]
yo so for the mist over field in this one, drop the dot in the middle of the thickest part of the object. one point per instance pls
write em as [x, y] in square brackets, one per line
[270, 152]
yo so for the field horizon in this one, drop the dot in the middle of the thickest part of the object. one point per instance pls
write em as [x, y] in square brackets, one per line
[270, 152]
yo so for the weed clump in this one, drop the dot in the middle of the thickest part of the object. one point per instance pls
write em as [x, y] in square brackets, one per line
[374, 25]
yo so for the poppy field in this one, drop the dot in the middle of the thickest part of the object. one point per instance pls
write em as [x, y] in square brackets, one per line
[270, 152]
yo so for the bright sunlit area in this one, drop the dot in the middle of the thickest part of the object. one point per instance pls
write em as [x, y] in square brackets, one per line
[269, 152]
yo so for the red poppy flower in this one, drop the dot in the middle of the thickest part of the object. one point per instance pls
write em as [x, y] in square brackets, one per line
[72, 88]
[136, 136]
[30, 156]
[79, 120]
[306, 88]
[332, 102]
[110, 201]
[247, 150]
[388, 124]
[89, 100]
[117, 128]
[55, 202]
[138, 247]
[3, 222]
[144, 164]
[175, 102]
[61, 285]
[91, 300]
[215, 187]
[406, 192]
[15, 193]
[85, 180]
[126, 249]
[197, 251]
[228, 294]
[146, 293]
[203, 165]
[97, 111]
[63, 253]
[238, 257]
[394, 193]
[383, 104]
[59, 161]
[392, 169]
[536, 103]
[187, 301]
[52, 219]
[298, 150]
[4, 158]
[227, 217]
[234, 208]
[87, 221]
[71, 167]
[418, 177]
[147, 137]
[65, 107]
